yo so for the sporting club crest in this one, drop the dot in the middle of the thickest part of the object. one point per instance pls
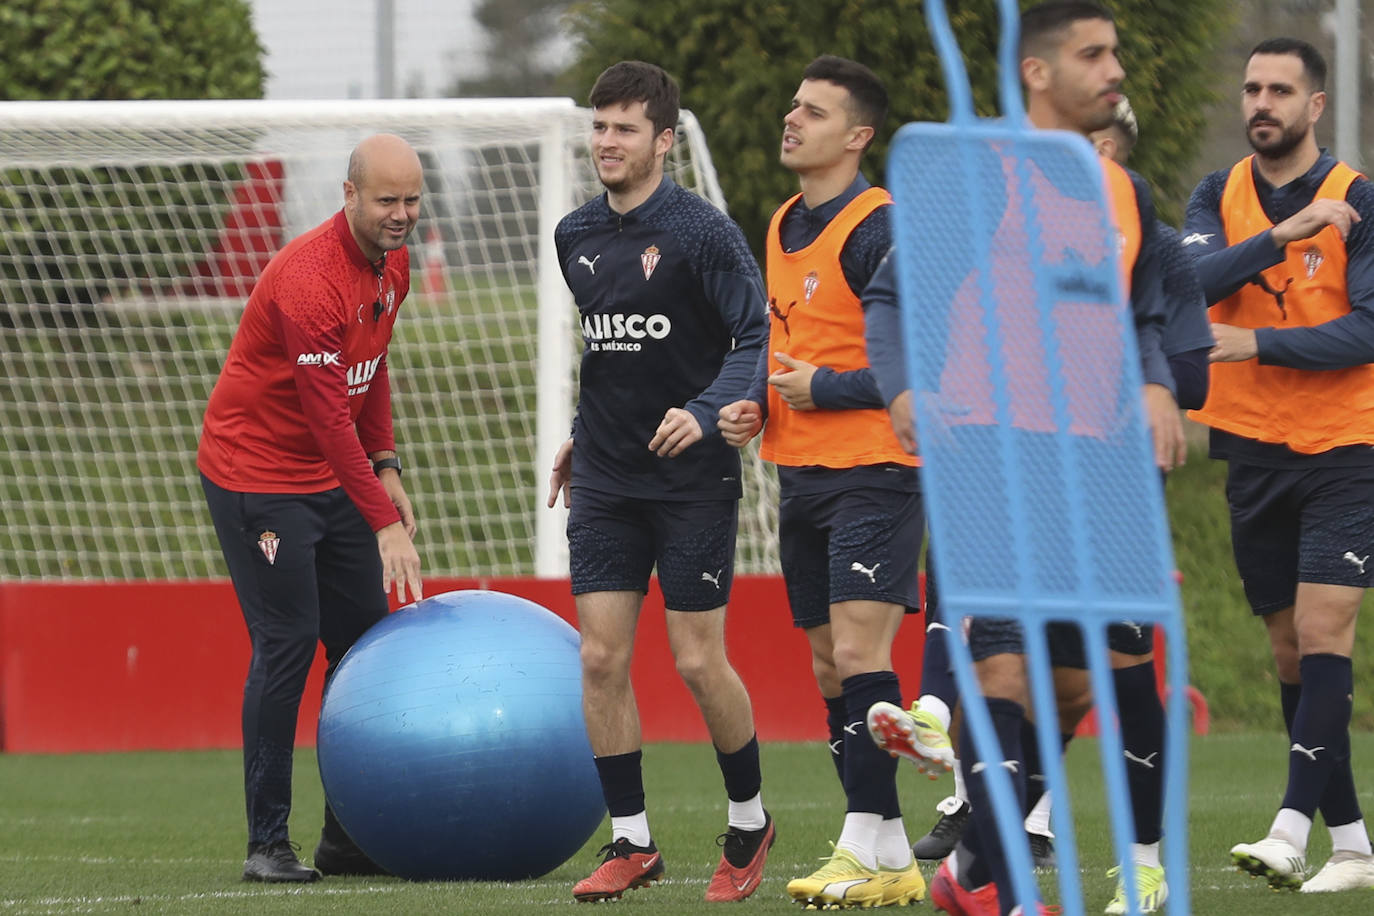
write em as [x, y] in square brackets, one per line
[1312, 259]
[649, 260]
[268, 542]
[811, 284]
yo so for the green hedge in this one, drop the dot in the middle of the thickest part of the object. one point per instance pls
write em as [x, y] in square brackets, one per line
[108, 50]
[130, 49]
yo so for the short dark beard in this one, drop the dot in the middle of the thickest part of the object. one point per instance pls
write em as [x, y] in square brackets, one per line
[631, 180]
[1289, 139]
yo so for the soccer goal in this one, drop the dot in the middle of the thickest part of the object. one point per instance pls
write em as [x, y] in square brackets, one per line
[130, 236]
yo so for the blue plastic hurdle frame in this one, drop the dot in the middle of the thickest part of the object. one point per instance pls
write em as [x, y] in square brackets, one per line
[1043, 499]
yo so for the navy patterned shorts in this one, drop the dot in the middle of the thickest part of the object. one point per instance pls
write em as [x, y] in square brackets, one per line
[857, 544]
[990, 636]
[614, 543]
[1291, 525]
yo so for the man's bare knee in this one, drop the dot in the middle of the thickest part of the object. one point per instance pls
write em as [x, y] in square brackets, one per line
[1283, 644]
[1324, 618]
[605, 661]
[1003, 676]
[1073, 694]
[827, 676]
[700, 667]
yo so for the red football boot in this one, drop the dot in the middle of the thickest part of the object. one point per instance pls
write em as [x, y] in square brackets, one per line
[947, 894]
[625, 868]
[743, 853]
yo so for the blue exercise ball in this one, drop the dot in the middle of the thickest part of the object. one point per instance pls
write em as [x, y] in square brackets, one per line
[451, 741]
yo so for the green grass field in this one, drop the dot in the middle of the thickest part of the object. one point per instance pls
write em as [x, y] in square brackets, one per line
[163, 833]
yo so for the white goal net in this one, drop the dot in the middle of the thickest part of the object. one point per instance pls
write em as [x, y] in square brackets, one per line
[130, 236]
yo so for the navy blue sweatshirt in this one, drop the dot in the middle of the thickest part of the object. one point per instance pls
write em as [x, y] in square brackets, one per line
[673, 314]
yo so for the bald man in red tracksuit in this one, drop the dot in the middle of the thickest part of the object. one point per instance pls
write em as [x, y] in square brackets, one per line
[299, 467]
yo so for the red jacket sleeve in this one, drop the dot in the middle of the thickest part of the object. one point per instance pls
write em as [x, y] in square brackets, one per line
[323, 391]
[374, 420]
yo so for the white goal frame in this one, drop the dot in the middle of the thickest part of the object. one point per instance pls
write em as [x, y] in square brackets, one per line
[160, 532]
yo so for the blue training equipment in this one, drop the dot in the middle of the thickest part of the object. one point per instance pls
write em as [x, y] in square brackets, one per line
[1043, 498]
[452, 745]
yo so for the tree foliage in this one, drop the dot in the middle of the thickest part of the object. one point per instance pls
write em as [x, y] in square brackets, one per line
[520, 34]
[129, 49]
[106, 50]
[740, 61]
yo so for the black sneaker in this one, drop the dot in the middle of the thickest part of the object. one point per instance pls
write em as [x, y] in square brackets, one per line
[333, 857]
[276, 863]
[1042, 852]
[940, 842]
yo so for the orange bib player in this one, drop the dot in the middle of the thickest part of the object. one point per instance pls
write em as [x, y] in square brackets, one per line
[1285, 254]
[850, 520]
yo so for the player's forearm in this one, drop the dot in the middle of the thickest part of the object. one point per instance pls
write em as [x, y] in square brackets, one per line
[1154, 365]
[883, 333]
[739, 300]
[1223, 271]
[758, 386]
[856, 389]
[1149, 312]
[337, 439]
[375, 430]
[732, 384]
[1192, 377]
[1337, 344]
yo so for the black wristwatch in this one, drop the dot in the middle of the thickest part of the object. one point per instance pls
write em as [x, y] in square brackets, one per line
[382, 463]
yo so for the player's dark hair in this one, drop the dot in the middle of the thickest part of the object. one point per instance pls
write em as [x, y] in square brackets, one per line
[636, 81]
[1043, 25]
[867, 94]
[1313, 64]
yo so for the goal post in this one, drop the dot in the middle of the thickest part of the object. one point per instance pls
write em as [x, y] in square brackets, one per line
[130, 236]
[555, 388]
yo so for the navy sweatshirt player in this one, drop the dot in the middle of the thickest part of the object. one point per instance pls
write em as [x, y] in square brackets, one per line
[673, 315]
